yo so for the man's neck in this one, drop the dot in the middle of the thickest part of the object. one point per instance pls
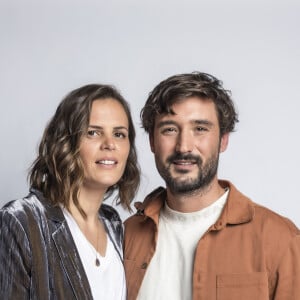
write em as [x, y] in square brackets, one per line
[196, 200]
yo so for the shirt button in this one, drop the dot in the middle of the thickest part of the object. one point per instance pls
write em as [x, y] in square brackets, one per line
[144, 265]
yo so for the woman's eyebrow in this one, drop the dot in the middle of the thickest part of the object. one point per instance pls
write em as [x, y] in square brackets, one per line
[100, 127]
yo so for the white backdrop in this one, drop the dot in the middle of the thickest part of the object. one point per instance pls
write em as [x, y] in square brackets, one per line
[51, 47]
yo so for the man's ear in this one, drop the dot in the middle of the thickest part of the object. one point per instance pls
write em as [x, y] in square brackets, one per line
[224, 142]
[151, 141]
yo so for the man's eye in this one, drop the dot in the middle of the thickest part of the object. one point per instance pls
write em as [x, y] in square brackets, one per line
[169, 130]
[200, 128]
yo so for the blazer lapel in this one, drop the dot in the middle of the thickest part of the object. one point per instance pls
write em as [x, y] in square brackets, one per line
[71, 262]
[65, 245]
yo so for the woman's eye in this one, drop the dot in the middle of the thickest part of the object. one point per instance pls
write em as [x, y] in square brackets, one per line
[92, 133]
[120, 135]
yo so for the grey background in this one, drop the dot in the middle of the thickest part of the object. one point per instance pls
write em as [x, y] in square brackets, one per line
[51, 47]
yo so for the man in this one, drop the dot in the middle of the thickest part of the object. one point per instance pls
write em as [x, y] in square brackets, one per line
[200, 238]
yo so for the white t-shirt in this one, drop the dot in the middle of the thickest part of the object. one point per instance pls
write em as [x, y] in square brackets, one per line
[107, 281]
[169, 274]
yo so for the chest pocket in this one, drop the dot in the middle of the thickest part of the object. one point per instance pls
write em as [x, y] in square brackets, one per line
[252, 286]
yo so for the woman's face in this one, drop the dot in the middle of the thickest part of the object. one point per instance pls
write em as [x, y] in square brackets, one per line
[104, 148]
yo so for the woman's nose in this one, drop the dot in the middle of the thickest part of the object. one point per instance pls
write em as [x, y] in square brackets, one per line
[108, 144]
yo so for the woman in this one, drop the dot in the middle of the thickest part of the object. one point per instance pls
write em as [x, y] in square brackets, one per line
[61, 241]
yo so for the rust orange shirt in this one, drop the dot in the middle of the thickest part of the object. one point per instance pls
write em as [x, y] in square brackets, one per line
[250, 253]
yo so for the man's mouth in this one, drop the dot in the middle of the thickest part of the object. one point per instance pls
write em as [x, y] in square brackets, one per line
[184, 162]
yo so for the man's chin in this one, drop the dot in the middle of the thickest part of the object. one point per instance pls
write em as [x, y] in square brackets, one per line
[182, 184]
[183, 179]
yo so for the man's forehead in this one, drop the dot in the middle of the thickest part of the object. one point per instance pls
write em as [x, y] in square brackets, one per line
[190, 105]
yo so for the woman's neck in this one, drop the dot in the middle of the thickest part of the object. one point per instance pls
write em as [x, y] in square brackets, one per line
[91, 226]
[90, 201]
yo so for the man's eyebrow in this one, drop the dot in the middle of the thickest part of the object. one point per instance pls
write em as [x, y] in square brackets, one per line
[115, 128]
[203, 122]
[166, 122]
[197, 122]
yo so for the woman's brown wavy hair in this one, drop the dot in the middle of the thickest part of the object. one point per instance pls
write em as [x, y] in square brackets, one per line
[57, 171]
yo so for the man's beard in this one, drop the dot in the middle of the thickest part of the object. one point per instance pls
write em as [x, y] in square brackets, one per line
[205, 176]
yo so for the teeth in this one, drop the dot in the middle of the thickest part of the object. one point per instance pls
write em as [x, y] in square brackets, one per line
[183, 162]
[106, 162]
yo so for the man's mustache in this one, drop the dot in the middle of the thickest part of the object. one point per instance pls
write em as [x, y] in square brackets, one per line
[180, 156]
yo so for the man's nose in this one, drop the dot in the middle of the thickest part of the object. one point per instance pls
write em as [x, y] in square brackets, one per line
[184, 143]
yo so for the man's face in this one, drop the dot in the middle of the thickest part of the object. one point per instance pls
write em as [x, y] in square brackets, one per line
[187, 144]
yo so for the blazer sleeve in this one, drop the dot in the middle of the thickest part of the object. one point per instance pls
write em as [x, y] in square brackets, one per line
[15, 258]
[288, 283]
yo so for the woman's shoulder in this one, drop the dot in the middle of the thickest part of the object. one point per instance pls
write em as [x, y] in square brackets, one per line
[110, 213]
[22, 208]
[19, 204]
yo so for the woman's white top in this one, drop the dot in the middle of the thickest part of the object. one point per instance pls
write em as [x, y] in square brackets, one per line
[107, 281]
[170, 272]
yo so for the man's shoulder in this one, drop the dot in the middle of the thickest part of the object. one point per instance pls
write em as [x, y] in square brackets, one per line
[274, 221]
[150, 207]
[261, 215]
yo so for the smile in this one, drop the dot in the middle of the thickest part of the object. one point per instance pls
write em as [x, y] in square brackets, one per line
[184, 162]
[106, 162]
